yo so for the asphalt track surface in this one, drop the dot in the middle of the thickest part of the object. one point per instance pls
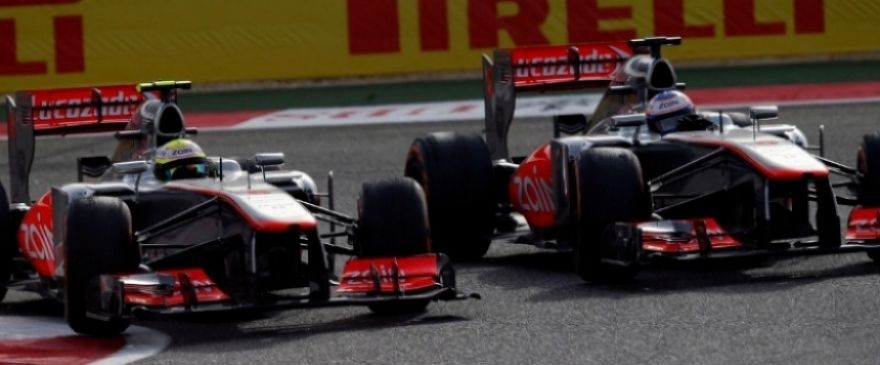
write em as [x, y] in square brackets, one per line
[814, 310]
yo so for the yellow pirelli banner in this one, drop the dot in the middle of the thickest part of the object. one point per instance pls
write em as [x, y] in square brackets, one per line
[53, 43]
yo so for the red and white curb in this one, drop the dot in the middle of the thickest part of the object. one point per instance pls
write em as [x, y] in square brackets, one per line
[49, 341]
[467, 110]
[531, 106]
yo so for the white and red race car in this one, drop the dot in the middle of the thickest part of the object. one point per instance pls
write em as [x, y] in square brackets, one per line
[620, 195]
[245, 235]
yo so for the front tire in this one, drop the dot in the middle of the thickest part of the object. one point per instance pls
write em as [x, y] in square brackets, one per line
[392, 219]
[455, 171]
[610, 189]
[393, 222]
[868, 164]
[99, 241]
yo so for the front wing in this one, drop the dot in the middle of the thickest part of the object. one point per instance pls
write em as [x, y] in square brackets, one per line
[704, 238]
[364, 281]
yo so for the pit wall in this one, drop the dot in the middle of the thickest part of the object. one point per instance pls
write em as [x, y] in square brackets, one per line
[55, 43]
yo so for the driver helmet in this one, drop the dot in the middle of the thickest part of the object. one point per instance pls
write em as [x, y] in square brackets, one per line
[179, 159]
[666, 110]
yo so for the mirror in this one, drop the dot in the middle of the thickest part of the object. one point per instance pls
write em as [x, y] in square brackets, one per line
[131, 167]
[269, 159]
[629, 120]
[764, 112]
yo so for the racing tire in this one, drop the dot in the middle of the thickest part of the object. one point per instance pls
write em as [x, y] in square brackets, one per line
[875, 257]
[99, 241]
[610, 189]
[868, 165]
[7, 243]
[455, 171]
[392, 219]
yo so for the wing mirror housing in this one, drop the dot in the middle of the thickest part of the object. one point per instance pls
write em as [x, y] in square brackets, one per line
[266, 159]
[763, 112]
[629, 120]
[131, 167]
[269, 159]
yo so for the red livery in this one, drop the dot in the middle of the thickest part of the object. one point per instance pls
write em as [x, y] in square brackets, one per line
[168, 288]
[534, 66]
[530, 191]
[685, 236]
[389, 275]
[78, 110]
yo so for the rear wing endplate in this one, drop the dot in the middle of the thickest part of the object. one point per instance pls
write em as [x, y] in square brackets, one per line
[541, 69]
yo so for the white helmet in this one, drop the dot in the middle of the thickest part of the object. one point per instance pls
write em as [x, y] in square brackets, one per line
[666, 109]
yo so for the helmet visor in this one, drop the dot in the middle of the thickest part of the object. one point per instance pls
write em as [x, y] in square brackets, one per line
[667, 125]
[190, 171]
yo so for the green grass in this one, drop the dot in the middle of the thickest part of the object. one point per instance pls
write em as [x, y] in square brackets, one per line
[840, 71]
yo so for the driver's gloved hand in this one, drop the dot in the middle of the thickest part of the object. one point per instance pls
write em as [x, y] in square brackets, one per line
[694, 122]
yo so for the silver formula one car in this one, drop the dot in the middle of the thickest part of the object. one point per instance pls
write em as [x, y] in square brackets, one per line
[244, 233]
[618, 193]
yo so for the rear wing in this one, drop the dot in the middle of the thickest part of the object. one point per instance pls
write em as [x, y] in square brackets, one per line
[542, 69]
[75, 110]
[71, 111]
[61, 111]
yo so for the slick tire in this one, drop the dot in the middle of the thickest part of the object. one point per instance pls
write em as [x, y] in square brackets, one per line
[7, 243]
[393, 222]
[609, 190]
[392, 219]
[874, 256]
[455, 171]
[868, 164]
[99, 241]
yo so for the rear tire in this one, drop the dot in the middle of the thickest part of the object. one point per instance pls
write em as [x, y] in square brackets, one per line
[610, 189]
[99, 241]
[455, 171]
[7, 243]
[868, 160]
[392, 219]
